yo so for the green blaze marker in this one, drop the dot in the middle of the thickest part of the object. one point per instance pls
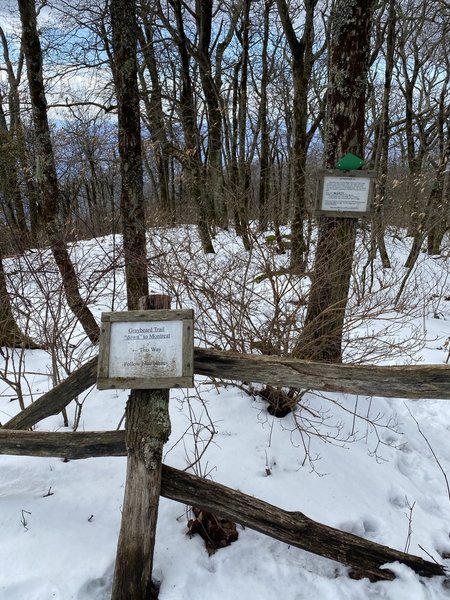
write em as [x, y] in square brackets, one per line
[350, 162]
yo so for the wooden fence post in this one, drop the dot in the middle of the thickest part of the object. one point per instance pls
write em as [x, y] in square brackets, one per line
[147, 430]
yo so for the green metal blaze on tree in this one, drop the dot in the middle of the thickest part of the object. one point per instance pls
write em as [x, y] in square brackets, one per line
[350, 162]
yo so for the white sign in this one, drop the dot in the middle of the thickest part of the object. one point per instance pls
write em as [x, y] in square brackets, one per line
[146, 349]
[152, 347]
[345, 194]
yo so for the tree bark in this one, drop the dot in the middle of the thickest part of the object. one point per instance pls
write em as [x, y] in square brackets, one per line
[239, 168]
[410, 61]
[382, 170]
[211, 92]
[156, 113]
[438, 206]
[264, 165]
[192, 161]
[9, 147]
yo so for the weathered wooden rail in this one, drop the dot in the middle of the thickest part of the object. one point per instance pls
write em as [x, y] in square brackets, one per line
[366, 558]
[421, 381]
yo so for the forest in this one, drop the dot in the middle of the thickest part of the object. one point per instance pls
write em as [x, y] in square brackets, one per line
[234, 103]
[181, 148]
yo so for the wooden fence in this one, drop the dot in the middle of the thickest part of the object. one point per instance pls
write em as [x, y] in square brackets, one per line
[364, 557]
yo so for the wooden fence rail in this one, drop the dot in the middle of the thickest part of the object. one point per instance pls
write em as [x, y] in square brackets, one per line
[421, 381]
[364, 556]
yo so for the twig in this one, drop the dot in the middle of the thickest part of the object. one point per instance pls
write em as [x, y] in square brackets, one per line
[409, 517]
[428, 554]
[23, 519]
[431, 450]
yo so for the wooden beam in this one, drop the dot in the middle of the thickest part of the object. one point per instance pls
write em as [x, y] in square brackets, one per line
[363, 556]
[411, 381]
[73, 445]
[147, 429]
[415, 381]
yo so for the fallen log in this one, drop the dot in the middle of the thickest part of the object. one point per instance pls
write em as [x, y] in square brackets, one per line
[365, 558]
[420, 381]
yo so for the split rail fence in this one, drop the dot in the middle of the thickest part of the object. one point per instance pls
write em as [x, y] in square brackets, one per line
[365, 558]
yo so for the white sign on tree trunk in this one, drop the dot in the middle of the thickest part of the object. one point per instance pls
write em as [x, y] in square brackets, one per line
[345, 193]
[146, 349]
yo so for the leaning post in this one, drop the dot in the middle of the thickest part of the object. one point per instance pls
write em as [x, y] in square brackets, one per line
[142, 360]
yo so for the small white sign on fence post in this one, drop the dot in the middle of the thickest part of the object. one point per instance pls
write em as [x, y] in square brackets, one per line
[146, 349]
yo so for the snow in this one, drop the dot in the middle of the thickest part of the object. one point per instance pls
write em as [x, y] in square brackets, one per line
[375, 475]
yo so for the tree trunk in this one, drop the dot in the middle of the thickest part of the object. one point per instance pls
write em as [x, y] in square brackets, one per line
[321, 338]
[211, 92]
[302, 63]
[192, 162]
[380, 193]
[156, 114]
[238, 167]
[14, 216]
[147, 416]
[124, 41]
[10, 334]
[264, 166]
[438, 205]
[46, 170]
[9, 146]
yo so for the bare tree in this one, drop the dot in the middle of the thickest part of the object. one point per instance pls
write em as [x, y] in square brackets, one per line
[50, 199]
[12, 149]
[321, 337]
[302, 64]
[153, 101]
[382, 143]
[191, 158]
[124, 32]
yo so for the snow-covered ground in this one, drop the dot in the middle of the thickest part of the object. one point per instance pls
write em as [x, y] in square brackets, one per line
[374, 474]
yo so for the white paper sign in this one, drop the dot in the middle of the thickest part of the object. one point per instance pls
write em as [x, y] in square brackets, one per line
[146, 348]
[346, 194]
